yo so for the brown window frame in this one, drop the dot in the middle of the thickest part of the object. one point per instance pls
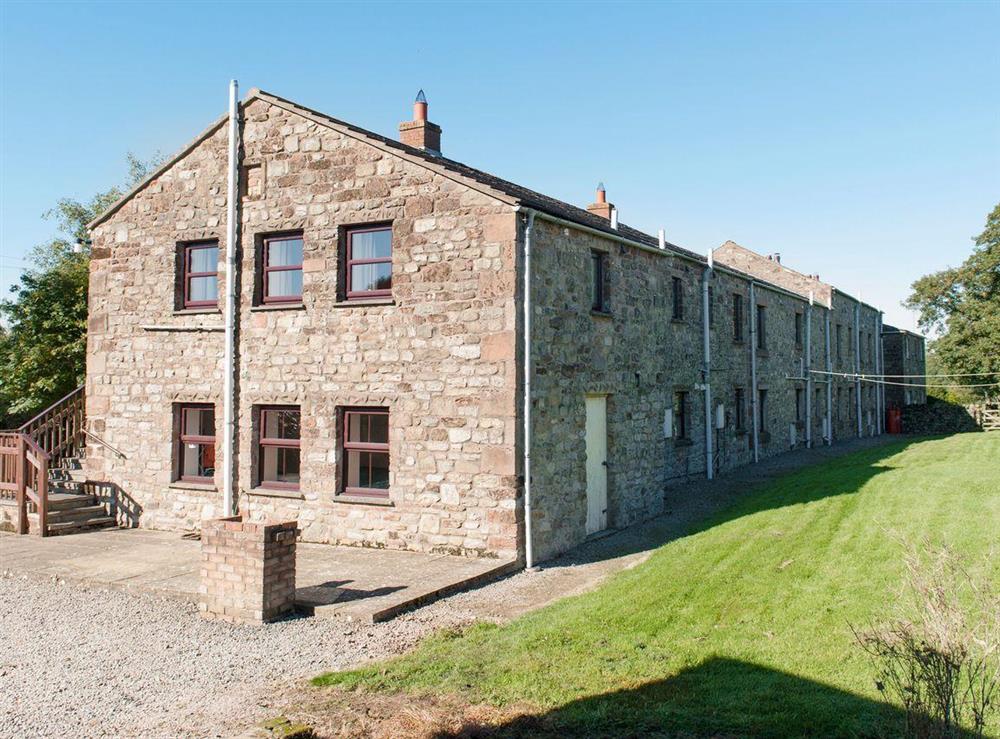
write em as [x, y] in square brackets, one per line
[263, 442]
[349, 262]
[798, 329]
[598, 281]
[761, 326]
[682, 430]
[347, 446]
[187, 275]
[737, 317]
[677, 309]
[266, 270]
[198, 439]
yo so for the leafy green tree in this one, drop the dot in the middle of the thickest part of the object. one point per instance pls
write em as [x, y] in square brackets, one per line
[962, 305]
[43, 341]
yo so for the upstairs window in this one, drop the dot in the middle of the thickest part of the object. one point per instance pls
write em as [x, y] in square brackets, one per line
[840, 353]
[599, 281]
[369, 262]
[365, 451]
[678, 292]
[196, 443]
[737, 317]
[282, 258]
[201, 274]
[761, 327]
[798, 329]
[279, 447]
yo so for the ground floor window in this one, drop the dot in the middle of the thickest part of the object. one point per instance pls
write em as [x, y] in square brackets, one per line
[681, 430]
[196, 442]
[761, 409]
[799, 403]
[740, 409]
[365, 451]
[279, 452]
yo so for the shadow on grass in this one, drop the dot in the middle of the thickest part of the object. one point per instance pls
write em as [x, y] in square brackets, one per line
[794, 478]
[718, 698]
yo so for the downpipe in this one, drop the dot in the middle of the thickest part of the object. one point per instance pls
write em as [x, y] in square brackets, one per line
[228, 377]
[529, 554]
[706, 277]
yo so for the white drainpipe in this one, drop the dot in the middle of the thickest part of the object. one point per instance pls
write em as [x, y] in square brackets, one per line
[857, 365]
[808, 372]
[228, 376]
[706, 275]
[529, 555]
[879, 388]
[829, 379]
[753, 373]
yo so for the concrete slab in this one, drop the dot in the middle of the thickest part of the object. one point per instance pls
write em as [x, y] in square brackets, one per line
[344, 582]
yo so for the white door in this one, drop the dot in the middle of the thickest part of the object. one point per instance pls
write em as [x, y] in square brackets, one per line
[597, 463]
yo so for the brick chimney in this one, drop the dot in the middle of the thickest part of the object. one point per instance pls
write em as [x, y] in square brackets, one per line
[420, 132]
[602, 207]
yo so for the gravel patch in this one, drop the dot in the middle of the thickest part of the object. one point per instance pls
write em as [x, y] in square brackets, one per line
[77, 661]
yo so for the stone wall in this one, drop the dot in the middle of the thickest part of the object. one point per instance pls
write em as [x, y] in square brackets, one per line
[440, 355]
[904, 355]
[640, 356]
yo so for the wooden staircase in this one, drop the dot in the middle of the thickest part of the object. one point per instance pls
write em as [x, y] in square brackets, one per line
[71, 508]
[42, 475]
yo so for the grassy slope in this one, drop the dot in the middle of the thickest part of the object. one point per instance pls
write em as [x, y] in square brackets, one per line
[741, 627]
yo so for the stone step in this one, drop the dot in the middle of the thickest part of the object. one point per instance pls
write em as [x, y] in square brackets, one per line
[67, 474]
[71, 527]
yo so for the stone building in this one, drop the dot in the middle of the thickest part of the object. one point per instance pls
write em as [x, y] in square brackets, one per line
[393, 310]
[905, 365]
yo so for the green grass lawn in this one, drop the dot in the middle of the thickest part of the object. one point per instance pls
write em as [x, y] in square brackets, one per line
[741, 627]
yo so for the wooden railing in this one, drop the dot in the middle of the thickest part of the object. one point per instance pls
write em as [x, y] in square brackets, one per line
[58, 430]
[27, 453]
[24, 475]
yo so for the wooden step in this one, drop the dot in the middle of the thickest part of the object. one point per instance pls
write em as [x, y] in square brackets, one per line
[61, 501]
[81, 513]
[71, 527]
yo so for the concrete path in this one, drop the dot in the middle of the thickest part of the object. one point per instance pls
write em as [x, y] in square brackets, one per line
[364, 584]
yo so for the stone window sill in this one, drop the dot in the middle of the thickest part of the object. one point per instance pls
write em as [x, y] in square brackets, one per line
[181, 328]
[740, 432]
[260, 492]
[363, 500]
[278, 306]
[368, 302]
[204, 487]
[678, 320]
[601, 313]
[197, 311]
[680, 443]
[739, 342]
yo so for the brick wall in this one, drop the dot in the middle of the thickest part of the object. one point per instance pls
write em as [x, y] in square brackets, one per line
[247, 570]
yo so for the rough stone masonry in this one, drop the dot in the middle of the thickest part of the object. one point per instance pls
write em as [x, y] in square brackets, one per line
[393, 415]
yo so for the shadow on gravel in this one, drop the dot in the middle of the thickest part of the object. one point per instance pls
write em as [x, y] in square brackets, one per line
[718, 698]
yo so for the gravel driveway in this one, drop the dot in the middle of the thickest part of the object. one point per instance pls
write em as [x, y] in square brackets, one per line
[81, 662]
[86, 662]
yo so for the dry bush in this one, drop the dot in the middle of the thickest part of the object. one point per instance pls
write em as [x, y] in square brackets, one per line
[939, 654]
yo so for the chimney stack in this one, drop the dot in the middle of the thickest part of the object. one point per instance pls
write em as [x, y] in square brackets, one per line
[420, 132]
[602, 207]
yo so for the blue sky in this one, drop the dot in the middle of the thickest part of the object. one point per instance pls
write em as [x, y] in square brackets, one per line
[860, 140]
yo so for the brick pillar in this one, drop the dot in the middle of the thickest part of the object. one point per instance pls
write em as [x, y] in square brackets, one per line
[247, 570]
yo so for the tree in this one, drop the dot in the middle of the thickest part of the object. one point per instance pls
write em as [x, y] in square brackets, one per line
[962, 305]
[43, 343]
